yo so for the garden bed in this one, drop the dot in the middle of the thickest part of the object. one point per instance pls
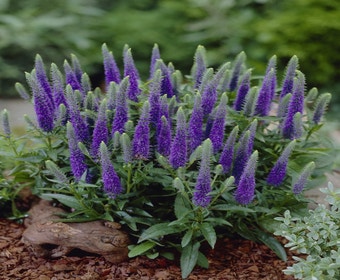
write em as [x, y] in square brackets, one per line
[232, 259]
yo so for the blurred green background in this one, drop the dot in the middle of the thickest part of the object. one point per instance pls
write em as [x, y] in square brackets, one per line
[56, 28]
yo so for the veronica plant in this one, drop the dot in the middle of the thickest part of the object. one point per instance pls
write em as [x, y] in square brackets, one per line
[176, 163]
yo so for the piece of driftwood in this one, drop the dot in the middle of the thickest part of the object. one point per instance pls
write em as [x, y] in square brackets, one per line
[49, 238]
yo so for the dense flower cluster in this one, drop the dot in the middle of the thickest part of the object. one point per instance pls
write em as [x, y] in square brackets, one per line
[167, 118]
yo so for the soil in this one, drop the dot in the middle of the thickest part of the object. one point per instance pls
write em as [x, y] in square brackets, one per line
[232, 259]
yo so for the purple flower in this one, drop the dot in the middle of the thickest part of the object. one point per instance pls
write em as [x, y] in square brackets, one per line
[246, 187]
[141, 139]
[244, 150]
[43, 110]
[320, 106]
[57, 87]
[77, 158]
[71, 78]
[111, 181]
[272, 65]
[216, 134]
[209, 95]
[295, 106]
[126, 147]
[42, 80]
[278, 172]
[283, 105]
[80, 127]
[111, 70]
[266, 94]
[121, 114]
[250, 102]
[166, 84]
[164, 137]
[195, 128]
[200, 66]
[227, 155]
[242, 91]
[288, 82]
[303, 178]
[112, 95]
[131, 71]
[100, 132]
[154, 97]
[178, 150]
[239, 60]
[78, 72]
[154, 57]
[5, 123]
[203, 184]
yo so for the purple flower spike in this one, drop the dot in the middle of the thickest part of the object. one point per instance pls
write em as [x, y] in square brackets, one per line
[242, 156]
[154, 57]
[164, 137]
[320, 106]
[71, 78]
[295, 106]
[166, 85]
[203, 184]
[200, 66]
[154, 97]
[246, 187]
[216, 134]
[141, 139]
[5, 123]
[266, 93]
[111, 181]
[272, 65]
[195, 129]
[131, 71]
[111, 70]
[77, 158]
[121, 115]
[178, 150]
[43, 110]
[57, 87]
[100, 132]
[303, 178]
[80, 128]
[43, 80]
[279, 170]
[78, 72]
[227, 156]
[242, 91]
[288, 82]
[239, 60]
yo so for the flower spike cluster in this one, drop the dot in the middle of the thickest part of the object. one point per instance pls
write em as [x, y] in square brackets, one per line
[218, 117]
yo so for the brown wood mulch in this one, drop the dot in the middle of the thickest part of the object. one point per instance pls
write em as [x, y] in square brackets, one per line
[232, 259]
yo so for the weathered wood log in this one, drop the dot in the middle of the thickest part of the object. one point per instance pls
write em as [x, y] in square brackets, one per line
[49, 238]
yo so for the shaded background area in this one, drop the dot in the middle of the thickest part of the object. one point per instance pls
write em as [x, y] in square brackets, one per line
[55, 29]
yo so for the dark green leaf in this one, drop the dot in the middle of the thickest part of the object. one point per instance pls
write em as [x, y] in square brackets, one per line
[141, 249]
[158, 230]
[209, 234]
[187, 238]
[67, 200]
[273, 244]
[189, 258]
[202, 261]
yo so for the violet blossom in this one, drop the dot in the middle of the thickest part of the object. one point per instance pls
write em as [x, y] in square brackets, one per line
[178, 150]
[266, 94]
[227, 155]
[242, 91]
[288, 82]
[301, 182]
[141, 139]
[195, 127]
[111, 70]
[164, 137]
[131, 71]
[200, 66]
[245, 191]
[121, 114]
[239, 60]
[201, 195]
[111, 181]
[100, 132]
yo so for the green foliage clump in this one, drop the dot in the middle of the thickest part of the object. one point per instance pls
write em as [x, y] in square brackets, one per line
[315, 235]
[107, 153]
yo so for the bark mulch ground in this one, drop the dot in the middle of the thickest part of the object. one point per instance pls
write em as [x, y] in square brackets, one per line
[232, 259]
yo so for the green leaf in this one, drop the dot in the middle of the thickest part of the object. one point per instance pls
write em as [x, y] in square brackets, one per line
[141, 249]
[178, 185]
[182, 207]
[209, 234]
[67, 200]
[187, 238]
[189, 258]
[158, 230]
[202, 260]
[272, 243]
[232, 208]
